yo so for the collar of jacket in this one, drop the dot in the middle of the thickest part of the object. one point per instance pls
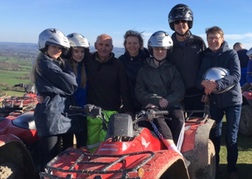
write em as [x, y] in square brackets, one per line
[224, 47]
[189, 39]
[99, 60]
[142, 54]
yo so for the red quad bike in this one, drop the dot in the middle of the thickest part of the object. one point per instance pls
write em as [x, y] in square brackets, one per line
[245, 126]
[18, 137]
[136, 152]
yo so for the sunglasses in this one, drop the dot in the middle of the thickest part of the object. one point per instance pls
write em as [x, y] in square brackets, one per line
[178, 21]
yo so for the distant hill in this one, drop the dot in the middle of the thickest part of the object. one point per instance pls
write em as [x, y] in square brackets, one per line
[30, 50]
[18, 50]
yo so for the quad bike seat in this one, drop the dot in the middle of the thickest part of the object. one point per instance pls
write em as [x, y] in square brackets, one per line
[25, 121]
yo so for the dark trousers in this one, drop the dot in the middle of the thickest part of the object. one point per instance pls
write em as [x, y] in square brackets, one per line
[232, 126]
[80, 134]
[171, 126]
[194, 103]
[49, 148]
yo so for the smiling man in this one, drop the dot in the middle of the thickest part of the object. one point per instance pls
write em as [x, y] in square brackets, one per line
[224, 94]
[107, 87]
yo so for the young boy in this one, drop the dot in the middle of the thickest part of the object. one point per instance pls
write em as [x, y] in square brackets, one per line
[159, 84]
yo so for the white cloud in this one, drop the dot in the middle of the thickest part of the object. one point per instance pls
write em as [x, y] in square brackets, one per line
[238, 36]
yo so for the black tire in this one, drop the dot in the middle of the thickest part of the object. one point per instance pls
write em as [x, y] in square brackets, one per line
[15, 161]
[245, 127]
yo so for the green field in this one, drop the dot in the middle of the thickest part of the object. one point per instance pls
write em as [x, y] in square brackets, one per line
[13, 72]
[244, 163]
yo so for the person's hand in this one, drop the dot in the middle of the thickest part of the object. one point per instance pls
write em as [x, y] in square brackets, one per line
[150, 106]
[163, 103]
[209, 86]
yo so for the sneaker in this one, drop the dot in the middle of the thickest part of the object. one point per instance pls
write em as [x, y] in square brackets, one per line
[233, 175]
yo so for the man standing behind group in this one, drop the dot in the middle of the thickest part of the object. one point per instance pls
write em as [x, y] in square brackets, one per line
[107, 86]
[243, 61]
[187, 53]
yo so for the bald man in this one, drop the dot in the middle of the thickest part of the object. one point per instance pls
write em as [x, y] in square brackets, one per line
[107, 84]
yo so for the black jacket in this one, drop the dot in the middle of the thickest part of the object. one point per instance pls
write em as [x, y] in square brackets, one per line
[228, 59]
[107, 84]
[55, 83]
[187, 57]
[243, 57]
[132, 66]
[154, 83]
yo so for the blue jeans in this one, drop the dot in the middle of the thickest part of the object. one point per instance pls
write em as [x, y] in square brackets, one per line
[233, 114]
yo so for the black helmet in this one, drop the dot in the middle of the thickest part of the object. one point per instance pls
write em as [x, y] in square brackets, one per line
[180, 12]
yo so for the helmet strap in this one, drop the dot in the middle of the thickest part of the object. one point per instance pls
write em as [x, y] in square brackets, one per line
[159, 61]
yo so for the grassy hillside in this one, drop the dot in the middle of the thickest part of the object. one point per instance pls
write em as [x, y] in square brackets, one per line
[13, 71]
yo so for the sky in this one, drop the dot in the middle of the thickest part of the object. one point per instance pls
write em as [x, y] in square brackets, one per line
[22, 21]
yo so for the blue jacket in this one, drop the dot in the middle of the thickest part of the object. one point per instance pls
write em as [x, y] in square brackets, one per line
[80, 95]
[225, 58]
[249, 72]
[244, 60]
[54, 83]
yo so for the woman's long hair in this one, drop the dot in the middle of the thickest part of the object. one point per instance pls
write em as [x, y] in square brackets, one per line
[35, 67]
[74, 66]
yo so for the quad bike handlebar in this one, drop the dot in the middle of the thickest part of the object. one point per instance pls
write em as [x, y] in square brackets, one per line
[149, 114]
[87, 110]
[96, 111]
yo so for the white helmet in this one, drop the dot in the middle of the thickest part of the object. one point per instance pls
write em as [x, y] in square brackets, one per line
[217, 73]
[159, 39]
[78, 40]
[249, 52]
[52, 36]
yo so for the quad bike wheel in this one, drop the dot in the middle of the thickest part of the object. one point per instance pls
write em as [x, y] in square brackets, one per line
[15, 160]
[245, 127]
[8, 170]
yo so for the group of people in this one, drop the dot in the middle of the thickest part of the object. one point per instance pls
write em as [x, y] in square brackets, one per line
[169, 74]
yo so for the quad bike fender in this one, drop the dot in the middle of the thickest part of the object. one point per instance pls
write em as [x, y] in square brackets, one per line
[199, 150]
[14, 151]
[166, 164]
[9, 138]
